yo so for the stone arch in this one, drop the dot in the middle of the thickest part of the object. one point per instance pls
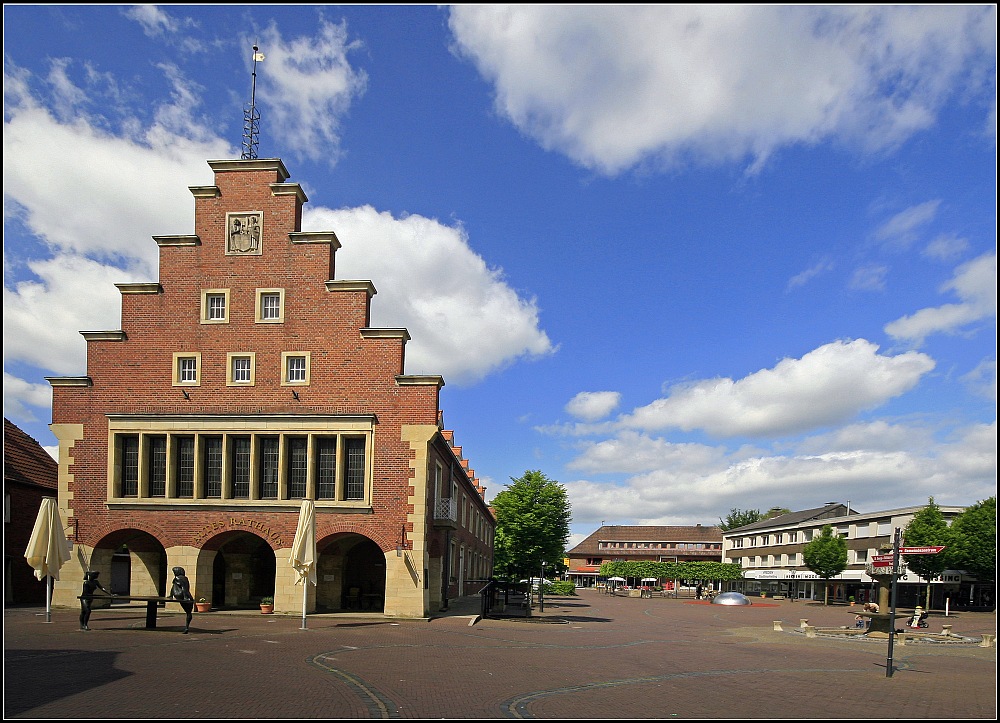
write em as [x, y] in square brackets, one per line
[130, 561]
[351, 573]
[235, 569]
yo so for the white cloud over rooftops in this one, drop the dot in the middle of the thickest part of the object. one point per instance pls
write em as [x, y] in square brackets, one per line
[828, 385]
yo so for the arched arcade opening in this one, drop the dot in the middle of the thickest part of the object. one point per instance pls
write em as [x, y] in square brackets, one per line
[235, 570]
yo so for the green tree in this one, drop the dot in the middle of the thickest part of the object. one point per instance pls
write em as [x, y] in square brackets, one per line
[928, 527]
[739, 518]
[533, 515]
[826, 555]
[973, 541]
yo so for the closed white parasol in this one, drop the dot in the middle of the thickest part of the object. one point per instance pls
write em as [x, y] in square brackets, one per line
[303, 554]
[48, 549]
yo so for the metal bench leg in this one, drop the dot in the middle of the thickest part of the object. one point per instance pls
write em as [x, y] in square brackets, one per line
[150, 615]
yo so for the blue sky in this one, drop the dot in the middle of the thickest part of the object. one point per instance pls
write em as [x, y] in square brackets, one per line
[681, 259]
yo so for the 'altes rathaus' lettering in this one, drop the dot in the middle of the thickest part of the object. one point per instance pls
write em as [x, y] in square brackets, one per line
[260, 527]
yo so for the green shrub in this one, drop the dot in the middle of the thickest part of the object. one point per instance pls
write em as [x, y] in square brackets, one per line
[561, 587]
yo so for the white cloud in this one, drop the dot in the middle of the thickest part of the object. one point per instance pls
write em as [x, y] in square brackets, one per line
[591, 406]
[876, 436]
[868, 278]
[982, 381]
[632, 452]
[613, 87]
[975, 283]
[463, 318]
[152, 18]
[945, 247]
[900, 230]
[43, 318]
[954, 472]
[66, 198]
[20, 397]
[803, 277]
[826, 386]
[308, 85]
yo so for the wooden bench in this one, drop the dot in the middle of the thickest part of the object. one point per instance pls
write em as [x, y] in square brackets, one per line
[152, 604]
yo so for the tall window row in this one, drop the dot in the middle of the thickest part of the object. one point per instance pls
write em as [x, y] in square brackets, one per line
[241, 466]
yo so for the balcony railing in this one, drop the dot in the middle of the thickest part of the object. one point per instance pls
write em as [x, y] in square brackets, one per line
[446, 512]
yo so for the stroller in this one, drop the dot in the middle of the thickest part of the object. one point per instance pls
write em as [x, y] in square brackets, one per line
[919, 619]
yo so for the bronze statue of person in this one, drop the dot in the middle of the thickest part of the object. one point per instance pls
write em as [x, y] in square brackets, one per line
[180, 590]
[90, 586]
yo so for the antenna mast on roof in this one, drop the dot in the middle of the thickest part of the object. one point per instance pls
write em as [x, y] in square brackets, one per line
[251, 116]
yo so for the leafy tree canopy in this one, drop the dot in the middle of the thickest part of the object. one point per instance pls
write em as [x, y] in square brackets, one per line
[826, 555]
[739, 518]
[973, 541]
[533, 515]
[928, 527]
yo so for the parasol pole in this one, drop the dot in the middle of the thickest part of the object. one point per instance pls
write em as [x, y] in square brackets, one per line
[48, 598]
[305, 589]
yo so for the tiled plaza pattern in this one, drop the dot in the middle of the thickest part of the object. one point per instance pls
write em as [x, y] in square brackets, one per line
[588, 657]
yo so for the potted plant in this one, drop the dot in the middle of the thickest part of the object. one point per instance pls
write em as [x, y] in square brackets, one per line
[202, 605]
[266, 605]
[851, 600]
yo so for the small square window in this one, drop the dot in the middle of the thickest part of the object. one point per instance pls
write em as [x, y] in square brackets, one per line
[186, 369]
[270, 306]
[240, 369]
[295, 368]
[215, 306]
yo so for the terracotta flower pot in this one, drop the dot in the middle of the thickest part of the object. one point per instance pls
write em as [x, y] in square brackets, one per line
[203, 607]
[266, 609]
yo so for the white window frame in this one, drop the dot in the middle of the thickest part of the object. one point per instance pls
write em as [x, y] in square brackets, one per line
[182, 356]
[261, 306]
[207, 295]
[231, 359]
[286, 358]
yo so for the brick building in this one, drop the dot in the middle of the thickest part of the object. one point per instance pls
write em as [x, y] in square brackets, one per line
[656, 543]
[29, 474]
[246, 379]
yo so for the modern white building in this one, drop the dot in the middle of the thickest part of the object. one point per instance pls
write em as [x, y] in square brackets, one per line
[770, 553]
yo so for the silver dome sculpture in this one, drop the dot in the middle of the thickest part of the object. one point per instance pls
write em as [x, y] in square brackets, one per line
[731, 598]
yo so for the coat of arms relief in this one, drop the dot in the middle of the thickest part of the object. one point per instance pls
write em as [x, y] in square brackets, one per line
[243, 232]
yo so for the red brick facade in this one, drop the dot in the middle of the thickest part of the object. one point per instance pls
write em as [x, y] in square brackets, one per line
[246, 359]
[29, 474]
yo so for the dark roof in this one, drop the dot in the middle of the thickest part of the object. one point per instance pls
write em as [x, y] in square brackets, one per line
[25, 461]
[833, 509]
[647, 533]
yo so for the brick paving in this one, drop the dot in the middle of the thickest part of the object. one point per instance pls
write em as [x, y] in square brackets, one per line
[586, 657]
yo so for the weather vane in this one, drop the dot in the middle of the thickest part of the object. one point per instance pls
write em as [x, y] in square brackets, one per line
[251, 116]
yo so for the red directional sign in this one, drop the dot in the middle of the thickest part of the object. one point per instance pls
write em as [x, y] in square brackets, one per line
[881, 560]
[930, 550]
